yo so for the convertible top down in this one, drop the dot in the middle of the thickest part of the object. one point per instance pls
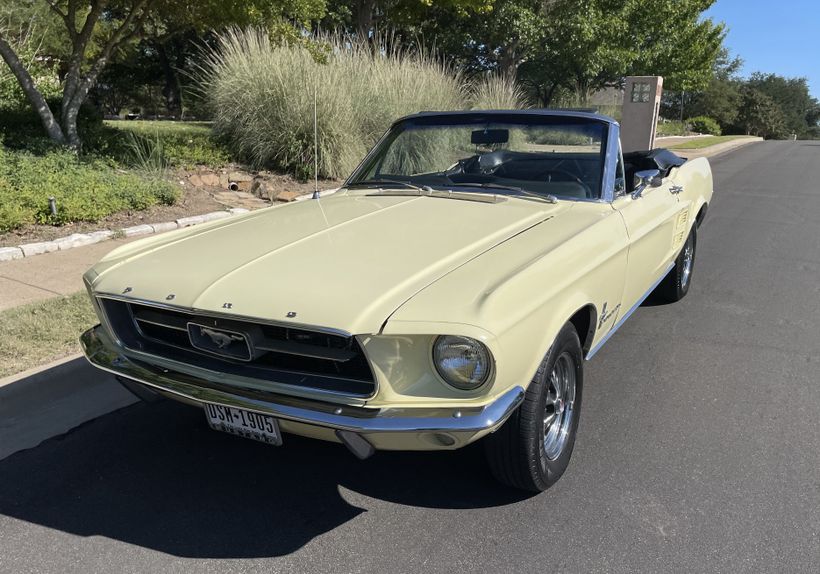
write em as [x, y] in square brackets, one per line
[448, 292]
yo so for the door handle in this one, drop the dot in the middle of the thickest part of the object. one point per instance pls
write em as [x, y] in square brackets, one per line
[675, 189]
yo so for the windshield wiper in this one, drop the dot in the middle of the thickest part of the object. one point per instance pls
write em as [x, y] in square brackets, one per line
[370, 182]
[549, 198]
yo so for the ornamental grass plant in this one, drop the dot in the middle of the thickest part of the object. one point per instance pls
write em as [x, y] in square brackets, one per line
[261, 95]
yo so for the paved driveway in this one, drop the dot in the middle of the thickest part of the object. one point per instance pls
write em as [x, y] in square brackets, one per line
[699, 448]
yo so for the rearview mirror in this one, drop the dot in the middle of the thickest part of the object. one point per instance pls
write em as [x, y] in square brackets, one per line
[646, 178]
[484, 137]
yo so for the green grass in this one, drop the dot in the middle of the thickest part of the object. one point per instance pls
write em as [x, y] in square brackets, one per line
[701, 143]
[84, 189]
[34, 334]
[175, 143]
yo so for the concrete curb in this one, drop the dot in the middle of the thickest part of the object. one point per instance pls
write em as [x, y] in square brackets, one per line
[53, 399]
[81, 239]
[717, 149]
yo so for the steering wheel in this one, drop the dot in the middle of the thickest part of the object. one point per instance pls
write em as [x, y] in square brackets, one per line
[568, 176]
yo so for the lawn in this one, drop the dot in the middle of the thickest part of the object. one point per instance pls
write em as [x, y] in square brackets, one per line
[34, 334]
[700, 143]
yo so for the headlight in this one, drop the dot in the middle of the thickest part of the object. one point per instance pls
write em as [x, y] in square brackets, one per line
[462, 362]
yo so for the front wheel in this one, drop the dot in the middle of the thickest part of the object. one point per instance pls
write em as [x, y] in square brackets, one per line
[532, 449]
[675, 285]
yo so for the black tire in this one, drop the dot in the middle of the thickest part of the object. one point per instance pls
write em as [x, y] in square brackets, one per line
[516, 453]
[675, 285]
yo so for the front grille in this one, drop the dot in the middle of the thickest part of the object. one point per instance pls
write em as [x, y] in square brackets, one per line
[297, 357]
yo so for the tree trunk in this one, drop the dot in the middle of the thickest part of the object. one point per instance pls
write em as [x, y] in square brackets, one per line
[171, 89]
[364, 17]
[33, 95]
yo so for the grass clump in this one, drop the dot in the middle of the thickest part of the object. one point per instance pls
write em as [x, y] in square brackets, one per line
[497, 92]
[702, 142]
[40, 332]
[157, 145]
[262, 96]
[84, 190]
[671, 128]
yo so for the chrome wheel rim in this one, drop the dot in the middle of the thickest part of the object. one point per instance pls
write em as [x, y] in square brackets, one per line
[688, 259]
[560, 406]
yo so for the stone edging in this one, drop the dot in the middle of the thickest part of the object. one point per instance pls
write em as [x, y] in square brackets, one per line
[81, 239]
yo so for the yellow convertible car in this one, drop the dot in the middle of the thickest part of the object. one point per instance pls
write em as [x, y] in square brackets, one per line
[450, 291]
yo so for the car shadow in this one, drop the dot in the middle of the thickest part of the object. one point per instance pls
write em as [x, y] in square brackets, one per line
[155, 476]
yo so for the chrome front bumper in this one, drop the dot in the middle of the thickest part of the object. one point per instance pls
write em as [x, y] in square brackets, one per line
[387, 428]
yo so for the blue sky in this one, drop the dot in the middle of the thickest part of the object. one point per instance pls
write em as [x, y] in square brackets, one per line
[778, 37]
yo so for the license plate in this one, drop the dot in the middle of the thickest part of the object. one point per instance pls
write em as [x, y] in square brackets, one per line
[243, 423]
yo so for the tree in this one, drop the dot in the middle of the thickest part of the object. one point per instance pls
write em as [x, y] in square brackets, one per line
[791, 95]
[759, 114]
[719, 100]
[95, 31]
[109, 26]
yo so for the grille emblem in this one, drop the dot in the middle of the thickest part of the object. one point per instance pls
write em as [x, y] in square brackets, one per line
[222, 342]
[220, 339]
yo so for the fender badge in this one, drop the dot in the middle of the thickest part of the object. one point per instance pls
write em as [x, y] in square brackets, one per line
[291, 314]
[227, 305]
[170, 297]
[126, 290]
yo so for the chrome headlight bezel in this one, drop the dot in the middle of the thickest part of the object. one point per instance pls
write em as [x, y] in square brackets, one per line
[479, 352]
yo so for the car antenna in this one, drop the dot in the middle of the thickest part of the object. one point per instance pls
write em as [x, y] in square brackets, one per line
[316, 194]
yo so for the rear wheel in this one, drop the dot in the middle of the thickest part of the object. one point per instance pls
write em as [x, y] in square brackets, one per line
[675, 285]
[532, 449]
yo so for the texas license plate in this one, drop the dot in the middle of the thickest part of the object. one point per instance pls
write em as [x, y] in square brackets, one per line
[243, 423]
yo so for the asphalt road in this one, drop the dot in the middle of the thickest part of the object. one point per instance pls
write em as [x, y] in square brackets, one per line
[699, 448]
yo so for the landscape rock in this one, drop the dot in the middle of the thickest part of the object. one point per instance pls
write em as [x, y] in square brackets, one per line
[195, 180]
[30, 249]
[164, 226]
[188, 221]
[102, 235]
[74, 240]
[9, 253]
[214, 215]
[210, 179]
[239, 176]
[137, 230]
[288, 195]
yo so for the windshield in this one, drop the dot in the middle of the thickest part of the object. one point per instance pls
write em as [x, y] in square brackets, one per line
[521, 154]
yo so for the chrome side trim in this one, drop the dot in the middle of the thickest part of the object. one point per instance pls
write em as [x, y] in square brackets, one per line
[204, 313]
[626, 315]
[360, 420]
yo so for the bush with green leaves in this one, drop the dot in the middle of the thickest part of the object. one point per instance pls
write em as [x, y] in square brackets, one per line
[83, 190]
[704, 125]
[262, 97]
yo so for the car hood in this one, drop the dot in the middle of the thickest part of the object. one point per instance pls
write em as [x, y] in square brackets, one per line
[345, 262]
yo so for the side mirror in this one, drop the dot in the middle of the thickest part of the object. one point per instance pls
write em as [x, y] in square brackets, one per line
[646, 178]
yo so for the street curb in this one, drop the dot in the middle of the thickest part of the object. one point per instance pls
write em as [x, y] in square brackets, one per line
[81, 239]
[717, 149]
[50, 400]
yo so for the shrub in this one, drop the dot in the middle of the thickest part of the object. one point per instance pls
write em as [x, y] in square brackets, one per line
[497, 92]
[670, 128]
[704, 125]
[84, 191]
[262, 97]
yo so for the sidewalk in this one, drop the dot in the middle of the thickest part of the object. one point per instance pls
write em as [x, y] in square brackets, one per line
[50, 274]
